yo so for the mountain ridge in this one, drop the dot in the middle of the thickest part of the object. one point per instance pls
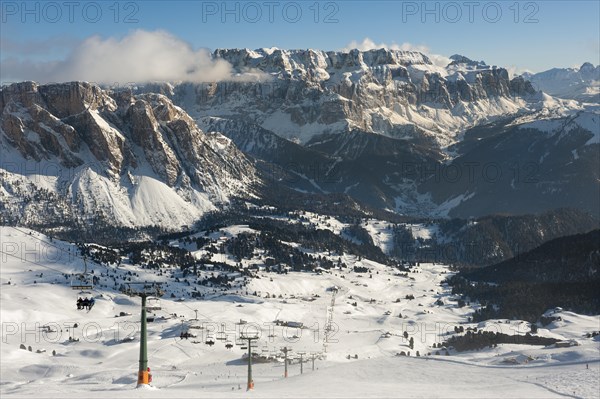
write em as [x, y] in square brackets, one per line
[138, 160]
[381, 126]
[582, 84]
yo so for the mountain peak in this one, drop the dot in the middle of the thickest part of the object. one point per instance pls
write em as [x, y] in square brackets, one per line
[461, 59]
[587, 66]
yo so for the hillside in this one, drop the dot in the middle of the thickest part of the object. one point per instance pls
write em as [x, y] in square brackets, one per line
[560, 273]
[574, 258]
[368, 355]
[76, 155]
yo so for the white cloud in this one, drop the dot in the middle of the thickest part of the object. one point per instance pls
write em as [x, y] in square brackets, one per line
[514, 70]
[368, 44]
[140, 56]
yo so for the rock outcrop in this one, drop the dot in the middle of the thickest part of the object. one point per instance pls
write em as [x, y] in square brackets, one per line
[111, 152]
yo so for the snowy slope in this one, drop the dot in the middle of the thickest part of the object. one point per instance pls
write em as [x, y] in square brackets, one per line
[104, 362]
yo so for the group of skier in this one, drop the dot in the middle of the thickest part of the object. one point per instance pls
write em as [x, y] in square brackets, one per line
[85, 303]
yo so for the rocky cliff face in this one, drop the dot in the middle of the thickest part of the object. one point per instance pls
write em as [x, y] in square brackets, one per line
[116, 154]
[304, 93]
[423, 117]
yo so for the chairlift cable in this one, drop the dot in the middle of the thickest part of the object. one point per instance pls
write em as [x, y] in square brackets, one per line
[34, 263]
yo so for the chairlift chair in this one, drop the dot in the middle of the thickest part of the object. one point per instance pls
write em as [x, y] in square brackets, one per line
[82, 281]
[152, 304]
[221, 336]
[195, 324]
[210, 341]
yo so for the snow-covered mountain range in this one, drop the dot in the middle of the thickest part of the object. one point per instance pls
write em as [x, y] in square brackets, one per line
[401, 94]
[357, 122]
[582, 84]
[385, 127]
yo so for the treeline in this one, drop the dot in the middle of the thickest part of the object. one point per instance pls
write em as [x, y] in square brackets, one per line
[317, 239]
[490, 339]
[277, 253]
[560, 273]
[359, 233]
[527, 300]
[491, 239]
[339, 205]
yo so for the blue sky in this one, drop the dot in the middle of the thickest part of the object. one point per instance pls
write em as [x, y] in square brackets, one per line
[515, 34]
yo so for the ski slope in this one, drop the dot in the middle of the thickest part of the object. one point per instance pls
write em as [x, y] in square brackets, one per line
[103, 363]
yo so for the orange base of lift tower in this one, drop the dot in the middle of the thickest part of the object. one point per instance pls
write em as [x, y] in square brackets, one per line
[144, 377]
[250, 385]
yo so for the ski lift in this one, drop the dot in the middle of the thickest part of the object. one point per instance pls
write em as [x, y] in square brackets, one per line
[186, 335]
[221, 336]
[87, 303]
[153, 288]
[195, 324]
[228, 345]
[82, 281]
[209, 340]
[152, 304]
[244, 347]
